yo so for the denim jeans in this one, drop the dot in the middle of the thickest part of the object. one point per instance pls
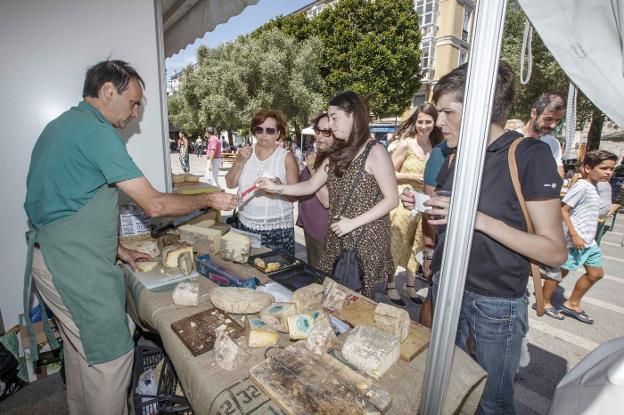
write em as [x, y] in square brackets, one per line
[498, 326]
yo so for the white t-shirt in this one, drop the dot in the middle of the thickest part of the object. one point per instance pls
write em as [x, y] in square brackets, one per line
[584, 200]
[553, 143]
[604, 191]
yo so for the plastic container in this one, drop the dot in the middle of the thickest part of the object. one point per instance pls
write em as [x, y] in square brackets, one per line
[222, 276]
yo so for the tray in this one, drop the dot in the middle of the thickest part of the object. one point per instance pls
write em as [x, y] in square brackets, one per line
[299, 276]
[286, 261]
[197, 332]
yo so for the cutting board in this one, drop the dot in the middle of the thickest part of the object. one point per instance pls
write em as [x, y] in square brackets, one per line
[197, 332]
[301, 383]
[160, 276]
[361, 312]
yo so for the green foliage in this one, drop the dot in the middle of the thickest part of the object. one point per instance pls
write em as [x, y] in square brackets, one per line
[297, 26]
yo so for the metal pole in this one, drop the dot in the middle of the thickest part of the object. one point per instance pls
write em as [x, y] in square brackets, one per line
[475, 124]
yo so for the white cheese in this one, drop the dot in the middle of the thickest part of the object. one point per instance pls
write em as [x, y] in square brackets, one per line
[186, 293]
[392, 319]
[228, 354]
[235, 247]
[321, 337]
[371, 350]
[308, 297]
[335, 299]
[262, 337]
[239, 300]
[171, 253]
[276, 314]
[146, 266]
[300, 326]
[204, 240]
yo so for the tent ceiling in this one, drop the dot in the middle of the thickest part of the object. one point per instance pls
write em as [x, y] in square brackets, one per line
[586, 39]
[186, 20]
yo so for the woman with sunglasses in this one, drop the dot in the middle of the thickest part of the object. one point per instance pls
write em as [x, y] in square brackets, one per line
[313, 213]
[269, 215]
[362, 189]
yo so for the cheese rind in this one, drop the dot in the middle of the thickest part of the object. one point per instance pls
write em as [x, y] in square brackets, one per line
[228, 355]
[186, 263]
[371, 350]
[308, 297]
[334, 298]
[147, 246]
[392, 319]
[237, 300]
[204, 240]
[186, 293]
[235, 247]
[321, 337]
[265, 337]
[300, 326]
[276, 315]
[171, 253]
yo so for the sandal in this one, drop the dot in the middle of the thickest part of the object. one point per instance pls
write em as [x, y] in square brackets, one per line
[416, 300]
[551, 312]
[397, 302]
[579, 315]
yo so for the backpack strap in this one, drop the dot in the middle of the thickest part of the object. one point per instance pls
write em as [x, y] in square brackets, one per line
[535, 273]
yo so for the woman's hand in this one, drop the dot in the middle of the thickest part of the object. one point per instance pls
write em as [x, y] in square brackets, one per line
[407, 198]
[310, 159]
[439, 209]
[269, 185]
[130, 256]
[243, 154]
[343, 226]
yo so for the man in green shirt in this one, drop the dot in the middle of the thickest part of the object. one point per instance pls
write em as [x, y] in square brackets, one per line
[77, 166]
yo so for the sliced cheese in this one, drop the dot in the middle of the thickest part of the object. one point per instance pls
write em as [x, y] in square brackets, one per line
[147, 246]
[228, 355]
[392, 319]
[186, 263]
[335, 299]
[371, 350]
[239, 300]
[276, 314]
[204, 240]
[171, 253]
[262, 337]
[321, 337]
[186, 293]
[308, 297]
[146, 266]
[299, 326]
[235, 247]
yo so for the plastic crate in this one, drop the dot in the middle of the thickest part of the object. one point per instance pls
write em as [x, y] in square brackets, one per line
[165, 401]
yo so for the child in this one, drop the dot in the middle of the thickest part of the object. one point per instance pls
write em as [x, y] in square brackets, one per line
[580, 209]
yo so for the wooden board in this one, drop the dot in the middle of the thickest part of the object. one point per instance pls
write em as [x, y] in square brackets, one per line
[361, 312]
[302, 383]
[197, 332]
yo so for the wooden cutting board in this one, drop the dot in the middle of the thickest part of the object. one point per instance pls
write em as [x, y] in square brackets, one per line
[361, 312]
[302, 383]
[197, 332]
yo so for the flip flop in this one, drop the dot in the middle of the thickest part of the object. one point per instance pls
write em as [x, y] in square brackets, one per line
[579, 315]
[551, 312]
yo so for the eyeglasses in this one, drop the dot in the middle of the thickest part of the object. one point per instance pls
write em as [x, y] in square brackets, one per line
[325, 133]
[268, 130]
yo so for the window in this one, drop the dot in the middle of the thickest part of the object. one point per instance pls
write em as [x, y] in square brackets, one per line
[463, 56]
[427, 50]
[466, 23]
[427, 10]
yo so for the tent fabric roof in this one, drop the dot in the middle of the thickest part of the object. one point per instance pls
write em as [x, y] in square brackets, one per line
[186, 20]
[587, 40]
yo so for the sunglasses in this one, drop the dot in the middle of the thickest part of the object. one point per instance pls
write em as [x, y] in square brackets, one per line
[325, 133]
[268, 130]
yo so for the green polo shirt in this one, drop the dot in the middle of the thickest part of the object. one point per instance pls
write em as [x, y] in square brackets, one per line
[75, 155]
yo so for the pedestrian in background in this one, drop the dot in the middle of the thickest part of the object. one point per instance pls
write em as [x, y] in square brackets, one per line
[184, 152]
[213, 152]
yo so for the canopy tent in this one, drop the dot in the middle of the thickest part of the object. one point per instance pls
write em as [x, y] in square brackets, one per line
[186, 20]
[307, 131]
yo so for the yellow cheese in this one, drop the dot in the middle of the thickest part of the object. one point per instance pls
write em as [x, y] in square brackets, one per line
[177, 178]
[146, 266]
[262, 337]
[191, 178]
[204, 240]
[171, 253]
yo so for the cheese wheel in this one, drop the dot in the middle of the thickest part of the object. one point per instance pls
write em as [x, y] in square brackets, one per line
[237, 300]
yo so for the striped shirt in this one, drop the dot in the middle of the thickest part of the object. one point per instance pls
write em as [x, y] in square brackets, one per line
[584, 202]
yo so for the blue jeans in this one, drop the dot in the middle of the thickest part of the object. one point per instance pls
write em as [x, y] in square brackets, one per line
[498, 326]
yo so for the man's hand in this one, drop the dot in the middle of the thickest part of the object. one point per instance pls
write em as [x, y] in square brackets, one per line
[343, 226]
[407, 198]
[130, 256]
[221, 200]
[578, 242]
[439, 209]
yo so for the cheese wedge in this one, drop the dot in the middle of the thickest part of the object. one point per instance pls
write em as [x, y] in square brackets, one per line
[321, 337]
[228, 354]
[146, 266]
[300, 326]
[308, 297]
[276, 315]
[239, 300]
[392, 319]
[171, 253]
[334, 298]
[235, 247]
[204, 240]
[371, 350]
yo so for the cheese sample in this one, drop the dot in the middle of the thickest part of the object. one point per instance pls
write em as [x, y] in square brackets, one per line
[237, 300]
[321, 337]
[186, 263]
[171, 253]
[334, 298]
[204, 240]
[272, 266]
[260, 263]
[308, 297]
[186, 293]
[371, 350]
[228, 354]
[262, 337]
[392, 319]
[146, 266]
[276, 315]
[235, 247]
[147, 246]
[177, 178]
[300, 326]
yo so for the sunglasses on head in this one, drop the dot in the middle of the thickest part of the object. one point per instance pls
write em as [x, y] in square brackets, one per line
[268, 130]
[325, 133]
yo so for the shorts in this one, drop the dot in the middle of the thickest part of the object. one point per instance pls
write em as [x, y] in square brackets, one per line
[589, 256]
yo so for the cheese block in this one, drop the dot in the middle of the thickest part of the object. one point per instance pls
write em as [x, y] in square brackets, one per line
[256, 323]
[334, 298]
[204, 240]
[186, 263]
[321, 337]
[171, 253]
[317, 315]
[147, 246]
[228, 354]
[186, 293]
[191, 178]
[167, 240]
[300, 326]
[235, 247]
[276, 314]
[371, 350]
[203, 220]
[237, 300]
[262, 337]
[177, 178]
[146, 266]
[308, 297]
[392, 319]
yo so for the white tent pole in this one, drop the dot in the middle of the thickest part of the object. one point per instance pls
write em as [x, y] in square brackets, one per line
[482, 67]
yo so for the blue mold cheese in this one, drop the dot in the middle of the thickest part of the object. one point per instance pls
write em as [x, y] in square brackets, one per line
[276, 314]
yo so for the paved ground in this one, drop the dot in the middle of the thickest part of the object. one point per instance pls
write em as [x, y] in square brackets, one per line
[555, 346]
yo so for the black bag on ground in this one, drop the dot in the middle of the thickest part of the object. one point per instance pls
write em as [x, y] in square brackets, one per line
[348, 270]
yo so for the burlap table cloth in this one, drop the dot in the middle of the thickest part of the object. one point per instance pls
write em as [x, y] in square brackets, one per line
[212, 390]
